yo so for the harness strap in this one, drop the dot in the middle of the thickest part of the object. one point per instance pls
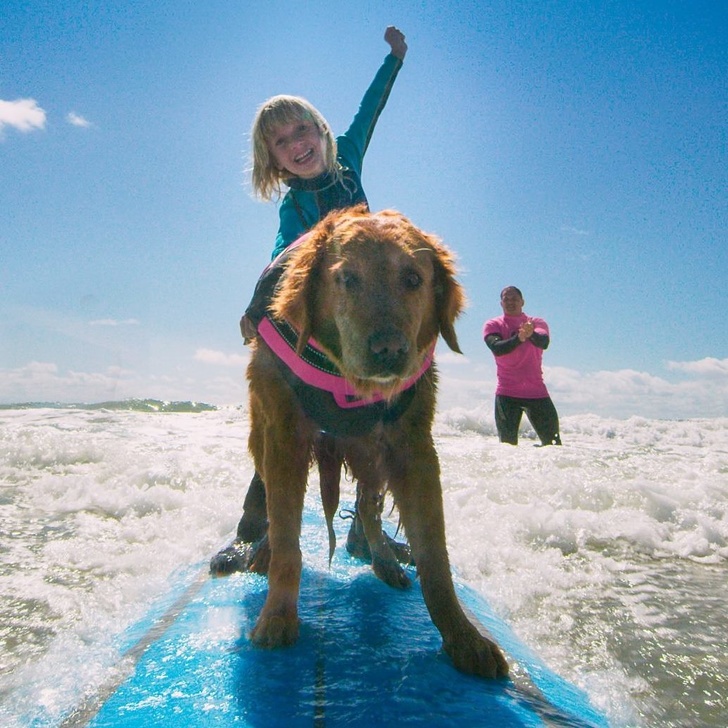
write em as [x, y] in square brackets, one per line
[314, 368]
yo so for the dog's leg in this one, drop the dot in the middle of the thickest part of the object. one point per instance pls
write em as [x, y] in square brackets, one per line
[368, 517]
[277, 625]
[358, 546]
[384, 562]
[283, 462]
[418, 495]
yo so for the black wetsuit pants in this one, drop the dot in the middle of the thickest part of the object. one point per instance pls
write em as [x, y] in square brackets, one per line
[541, 414]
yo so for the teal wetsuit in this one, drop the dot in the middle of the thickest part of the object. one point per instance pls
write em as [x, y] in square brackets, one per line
[309, 201]
[305, 204]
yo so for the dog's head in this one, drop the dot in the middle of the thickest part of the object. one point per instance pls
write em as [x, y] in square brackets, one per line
[374, 292]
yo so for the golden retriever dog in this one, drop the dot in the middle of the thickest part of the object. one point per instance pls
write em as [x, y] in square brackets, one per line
[369, 293]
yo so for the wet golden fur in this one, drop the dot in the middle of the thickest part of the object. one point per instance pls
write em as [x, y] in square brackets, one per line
[375, 292]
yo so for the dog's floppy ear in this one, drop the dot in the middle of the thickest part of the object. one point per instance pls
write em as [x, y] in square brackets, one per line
[295, 298]
[449, 294]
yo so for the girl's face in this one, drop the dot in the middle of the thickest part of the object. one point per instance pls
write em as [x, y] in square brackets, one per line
[299, 148]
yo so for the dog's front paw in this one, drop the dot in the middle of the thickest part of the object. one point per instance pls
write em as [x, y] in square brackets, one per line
[275, 631]
[477, 655]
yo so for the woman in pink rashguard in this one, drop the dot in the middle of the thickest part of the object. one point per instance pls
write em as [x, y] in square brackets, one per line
[518, 342]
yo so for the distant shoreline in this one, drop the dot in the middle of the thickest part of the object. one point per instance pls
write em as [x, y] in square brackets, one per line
[127, 405]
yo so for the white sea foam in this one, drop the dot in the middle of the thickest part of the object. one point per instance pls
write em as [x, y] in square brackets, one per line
[607, 555]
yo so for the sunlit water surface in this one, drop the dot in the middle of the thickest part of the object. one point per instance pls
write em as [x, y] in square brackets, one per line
[607, 556]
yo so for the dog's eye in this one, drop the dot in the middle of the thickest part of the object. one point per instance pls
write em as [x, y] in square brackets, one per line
[412, 280]
[348, 280]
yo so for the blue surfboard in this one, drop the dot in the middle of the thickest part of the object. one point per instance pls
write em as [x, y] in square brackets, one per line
[367, 655]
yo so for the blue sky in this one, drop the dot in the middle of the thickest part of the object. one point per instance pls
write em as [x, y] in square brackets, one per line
[575, 149]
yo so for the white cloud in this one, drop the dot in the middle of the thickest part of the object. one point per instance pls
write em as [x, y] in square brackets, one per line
[46, 382]
[220, 358]
[620, 393]
[77, 120]
[23, 114]
[708, 367]
[446, 356]
[574, 230]
[217, 377]
[626, 392]
[114, 322]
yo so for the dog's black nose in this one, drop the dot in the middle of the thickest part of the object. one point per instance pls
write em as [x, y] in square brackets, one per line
[388, 349]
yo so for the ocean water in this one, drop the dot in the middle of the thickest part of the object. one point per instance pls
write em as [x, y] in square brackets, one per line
[608, 556]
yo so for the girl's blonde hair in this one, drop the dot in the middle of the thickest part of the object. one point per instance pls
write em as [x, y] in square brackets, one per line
[271, 114]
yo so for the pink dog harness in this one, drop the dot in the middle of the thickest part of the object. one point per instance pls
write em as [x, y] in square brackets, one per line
[314, 368]
[325, 395]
